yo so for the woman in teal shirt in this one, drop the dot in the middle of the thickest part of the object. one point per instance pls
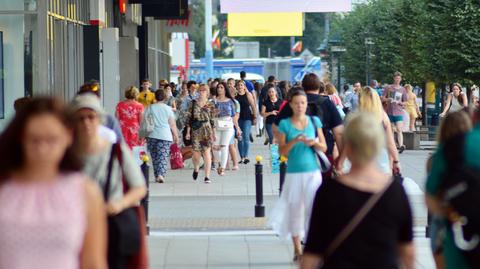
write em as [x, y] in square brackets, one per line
[297, 140]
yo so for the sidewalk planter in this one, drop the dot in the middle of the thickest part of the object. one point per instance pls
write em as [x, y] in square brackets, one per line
[411, 140]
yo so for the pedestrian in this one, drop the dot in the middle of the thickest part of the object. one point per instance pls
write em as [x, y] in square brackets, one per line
[411, 107]
[320, 105]
[259, 127]
[284, 87]
[110, 128]
[351, 97]
[347, 238]
[201, 131]
[130, 113]
[182, 103]
[248, 84]
[170, 99]
[248, 117]
[226, 122]
[232, 148]
[51, 216]
[298, 136]
[454, 128]
[107, 162]
[453, 125]
[333, 95]
[456, 100]
[163, 134]
[270, 108]
[146, 96]
[387, 160]
[395, 97]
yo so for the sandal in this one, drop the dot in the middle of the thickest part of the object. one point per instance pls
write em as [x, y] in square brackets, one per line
[160, 179]
[235, 168]
[221, 171]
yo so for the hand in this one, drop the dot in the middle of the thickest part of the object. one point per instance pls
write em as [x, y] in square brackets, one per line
[239, 132]
[214, 138]
[442, 115]
[175, 139]
[274, 112]
[309, 142]
[187, 136]
[254, 121]
[396, 167]
[115, 207]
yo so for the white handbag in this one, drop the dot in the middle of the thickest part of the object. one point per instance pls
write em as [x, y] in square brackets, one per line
[147, 125]
[223, 125]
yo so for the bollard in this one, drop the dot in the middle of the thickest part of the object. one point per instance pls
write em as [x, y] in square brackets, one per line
[283, 171]
[259, 207]
[145, 171]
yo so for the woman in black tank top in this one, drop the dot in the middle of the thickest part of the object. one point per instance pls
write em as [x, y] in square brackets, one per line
[247, 118]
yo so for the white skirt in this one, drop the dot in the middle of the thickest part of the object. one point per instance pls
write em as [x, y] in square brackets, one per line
[291, 214]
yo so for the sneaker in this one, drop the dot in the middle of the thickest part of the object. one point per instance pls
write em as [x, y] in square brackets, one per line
[401, 149]
[246, 161]
[251, 138]
[195, 175]
[207, 180]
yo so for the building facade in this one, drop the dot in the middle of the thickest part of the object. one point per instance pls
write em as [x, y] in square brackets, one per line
[51, 47]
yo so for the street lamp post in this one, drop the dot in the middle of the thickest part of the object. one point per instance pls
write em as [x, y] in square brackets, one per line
[337, 51]
[368, 43]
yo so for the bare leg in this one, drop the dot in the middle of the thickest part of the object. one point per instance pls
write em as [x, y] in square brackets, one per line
[196, 160]
[207, 158]
[233, 154]
[399, 126]
[412, 124]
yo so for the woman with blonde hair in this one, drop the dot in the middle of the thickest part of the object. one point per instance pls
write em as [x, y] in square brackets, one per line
[375, 218]
[333, 94]
[412, 107]
[130, 113]
[370, 102]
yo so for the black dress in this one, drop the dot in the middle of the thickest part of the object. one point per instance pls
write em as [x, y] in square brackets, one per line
[373, 244]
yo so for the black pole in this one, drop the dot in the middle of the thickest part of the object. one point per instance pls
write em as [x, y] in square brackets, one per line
[283, 171]
[259, 207]
[145, 200]
[143, 49]
[424, 105]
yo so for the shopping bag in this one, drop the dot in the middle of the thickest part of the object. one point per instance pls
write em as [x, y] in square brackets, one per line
[275, 157]
[176, 159]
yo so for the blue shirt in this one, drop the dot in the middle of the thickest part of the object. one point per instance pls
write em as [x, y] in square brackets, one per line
[161, 114]
[225, 109]
[249, 85]
[301, 158]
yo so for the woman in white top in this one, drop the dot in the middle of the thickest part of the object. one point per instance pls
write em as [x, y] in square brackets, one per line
[164, 132]
[456, 100]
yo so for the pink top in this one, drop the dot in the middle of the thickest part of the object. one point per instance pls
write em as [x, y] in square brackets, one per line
[129, 114]
[42, 224]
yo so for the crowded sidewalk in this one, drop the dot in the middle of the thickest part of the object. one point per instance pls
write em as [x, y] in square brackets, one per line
[213, 226]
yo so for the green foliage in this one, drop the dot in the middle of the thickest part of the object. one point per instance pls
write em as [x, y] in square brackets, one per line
[424, 39]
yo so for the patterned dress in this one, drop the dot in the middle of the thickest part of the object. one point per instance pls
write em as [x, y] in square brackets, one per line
[129, 114]
[203, 117]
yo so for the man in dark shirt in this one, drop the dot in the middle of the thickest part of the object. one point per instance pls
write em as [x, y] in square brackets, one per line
[331, 120]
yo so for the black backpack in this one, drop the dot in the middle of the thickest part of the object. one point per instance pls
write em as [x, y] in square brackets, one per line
[314, 108]
[460, 192]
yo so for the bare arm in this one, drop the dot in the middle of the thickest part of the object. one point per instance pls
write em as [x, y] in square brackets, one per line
[338, 135]
[310, 261]
[464, 100]
[284, 146]
[447, 105]
[174, 105]
[319, 144]
[173, 128]
[251, 101]
[406, 254]
[264, 113]
[94, 250]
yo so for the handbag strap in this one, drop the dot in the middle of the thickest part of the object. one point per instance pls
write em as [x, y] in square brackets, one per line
[116, 152]
[353, 224]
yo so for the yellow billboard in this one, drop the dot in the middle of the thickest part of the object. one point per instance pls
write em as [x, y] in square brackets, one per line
[265, 24]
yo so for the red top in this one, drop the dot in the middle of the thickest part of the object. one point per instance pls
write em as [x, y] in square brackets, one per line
[129, 113]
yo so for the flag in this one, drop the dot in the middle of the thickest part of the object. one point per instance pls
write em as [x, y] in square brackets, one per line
[216, 44]
[297, 47]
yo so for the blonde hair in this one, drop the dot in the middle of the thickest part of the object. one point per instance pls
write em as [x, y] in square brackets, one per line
[364, 136]
[331, 90]
[369, 101]
[132, 93]
[409, 88]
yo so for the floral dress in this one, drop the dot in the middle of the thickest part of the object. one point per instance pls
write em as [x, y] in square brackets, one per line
[201, 125]
[129, 114]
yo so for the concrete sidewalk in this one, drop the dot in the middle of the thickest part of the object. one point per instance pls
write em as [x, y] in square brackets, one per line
[198, 225]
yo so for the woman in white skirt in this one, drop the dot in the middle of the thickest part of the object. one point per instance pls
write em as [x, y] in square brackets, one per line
[297, 140]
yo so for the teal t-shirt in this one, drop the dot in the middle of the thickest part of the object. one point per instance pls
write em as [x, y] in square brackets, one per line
[301, 158]
[453, 257]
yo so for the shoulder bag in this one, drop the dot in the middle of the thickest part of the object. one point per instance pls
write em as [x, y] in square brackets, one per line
[148, 124]
[127, 229]
[353, 224]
